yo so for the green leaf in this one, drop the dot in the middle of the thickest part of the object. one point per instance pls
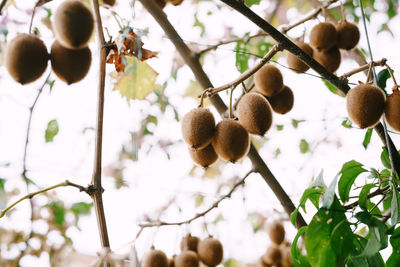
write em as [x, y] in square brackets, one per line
[293, 216]
[382, 77]
[313, 194]
[349, 173]
[198, 23]
[332, 88]
[263, 47]
[327, 198]
[279, 127]
[81, 208]
[298, 259]
[361, 261]
[304, 146]
[295, 123]
[363, 197]
[395, 217]
[249, 3]
[347, 124]
[138, 80]
[373, 245]
[395, 240]
[367, 138]
[385, 158]
[58, 210]
[51, 131]
[393, 260]
[242, 56]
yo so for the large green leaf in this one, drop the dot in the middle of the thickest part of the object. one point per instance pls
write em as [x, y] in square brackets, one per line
[395, 217]
[363, 197]
[355, 260]
[367, 138]
[385, 158]
[382, 77]
[298, 259]
[349, 173]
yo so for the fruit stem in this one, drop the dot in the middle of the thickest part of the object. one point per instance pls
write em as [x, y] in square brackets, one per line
[230, 102]
[392, 75]
[369, 71]
[381, 62]
[33, 15]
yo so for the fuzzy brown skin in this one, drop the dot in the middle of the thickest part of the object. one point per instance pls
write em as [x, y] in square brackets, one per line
[268, 80]
[255, 113]
[154, 258]
[283, 102]
[392, 110]
[198, 128]
[231, 140]
[272, 256]
[26, 58]
[295, 63]
[261, 263]
[286, 258]
[171, 261]
[348, 35]
[187, 258]
[323, 36]
[276, 232]
[204, 157]
[161, 3]
[210, 251]
[190, 242]
[365, 105]
[109, 2]
[175, 2]
[329, 59]
[73, 24]
[70, 65]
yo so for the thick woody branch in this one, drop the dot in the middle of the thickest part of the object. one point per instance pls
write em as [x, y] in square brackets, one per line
[193, 62]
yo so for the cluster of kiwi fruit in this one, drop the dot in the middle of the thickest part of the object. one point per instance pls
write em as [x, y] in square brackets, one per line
[326, 39]
[278, 253]
[209, 251]
[27, 57]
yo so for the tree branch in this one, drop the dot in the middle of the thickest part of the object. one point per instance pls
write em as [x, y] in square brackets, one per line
[193, 62]
[381, 62]
[202, 214]
[378, 191]
[96, 178]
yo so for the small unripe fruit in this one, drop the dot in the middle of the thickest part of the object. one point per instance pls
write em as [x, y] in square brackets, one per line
[204, 157]
[329, 59]
[187, 258]
[297, 64]
[26, 58]
[231, 140]
[198, 128]
[73, 24]
[70, 65]
[282, 102]
[154, 258]
[189, 242]
[323, 36]
[348, 35]
[272, 256]
[255, 113]
[268, 80]
[210, 251]
[392, 110]
[276, 232]
[365, 105]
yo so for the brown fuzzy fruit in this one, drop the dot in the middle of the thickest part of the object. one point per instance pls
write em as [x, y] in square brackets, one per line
[161, 3]
[297, 64]
[204, 157]
[268, 80]
[109, 2]
[286, 260]
[189, 242]
[329, 59]
[323, 36]
[365, 105]
[210, 251]
[255, 113]
[198, 128]
[154, 258]
[175, 2]
[272, 256]
[261, 263]
[73, 24]
[348, 35]
[26, 58]
[187, 258]
[282, 102]
[276, 232]
[392, 110]
[171, 261]
[70, 65]
[231, 140]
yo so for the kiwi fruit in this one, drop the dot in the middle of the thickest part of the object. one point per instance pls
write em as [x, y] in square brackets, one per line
[329, 59]
[109, 2]
[365, 105]
[272, 256]
[175, 2]
[171, 261]
[70, 65]
[323, 36]
[210, 251]
[204, 157]
[286, 260]
[392, 110]
[282, 102]
[254, 113]
[198, 128]
[190, 242]
[231, 140]
[26, 58]
[297, 64]
[161, 3]
[276, 232]
[261, 263]
[348, 35]
[154, 258]
[268, 80]
[73, 24]
[187, 258]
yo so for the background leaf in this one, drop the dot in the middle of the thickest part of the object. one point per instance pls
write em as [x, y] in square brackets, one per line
[51, 130]
[349, 173]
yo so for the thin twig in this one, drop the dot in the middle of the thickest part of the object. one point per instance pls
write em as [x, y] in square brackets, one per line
[202, 214]
[391, 74]
[31, 195]
[381, 62]
[378, 191]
